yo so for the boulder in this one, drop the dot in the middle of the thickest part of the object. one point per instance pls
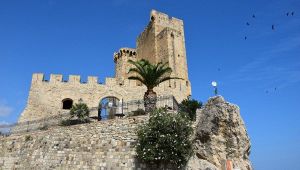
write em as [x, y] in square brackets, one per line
[221, 135]
[195, 163]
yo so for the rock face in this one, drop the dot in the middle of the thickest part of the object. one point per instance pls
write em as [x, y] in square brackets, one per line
[221, 135]
[195, 163]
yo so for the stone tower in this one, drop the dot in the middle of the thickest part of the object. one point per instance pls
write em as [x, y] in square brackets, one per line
[163, 41]
[121, 63]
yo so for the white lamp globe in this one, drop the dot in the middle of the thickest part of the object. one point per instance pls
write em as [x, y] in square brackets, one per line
[214, 84]
[110, 104]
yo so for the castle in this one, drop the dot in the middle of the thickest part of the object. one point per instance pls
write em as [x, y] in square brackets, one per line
[162, 41]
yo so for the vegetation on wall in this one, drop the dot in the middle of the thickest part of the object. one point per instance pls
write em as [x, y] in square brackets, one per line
[28, 138]
[80, 111]
[165, 139]
[137, 112]
[190, 106]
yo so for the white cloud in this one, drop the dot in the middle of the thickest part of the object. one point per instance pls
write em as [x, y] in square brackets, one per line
[4, 129]
[265, 70]
[4, 123]
[5, 110]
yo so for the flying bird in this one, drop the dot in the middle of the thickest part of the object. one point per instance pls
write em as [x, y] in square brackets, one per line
[245, 37]
[292, 13]
[247, 23]
[253, 16]
[275, 88]
[287, 14]
[273, 27]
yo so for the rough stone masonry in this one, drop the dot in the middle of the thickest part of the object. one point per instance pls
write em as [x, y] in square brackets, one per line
[220, 135]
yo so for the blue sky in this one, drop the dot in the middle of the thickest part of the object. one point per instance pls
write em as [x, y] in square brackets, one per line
[79, 37]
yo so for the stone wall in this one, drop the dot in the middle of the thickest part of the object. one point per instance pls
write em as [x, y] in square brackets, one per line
[45, 97]
[99, 145]
[108, 145]
[220, 137]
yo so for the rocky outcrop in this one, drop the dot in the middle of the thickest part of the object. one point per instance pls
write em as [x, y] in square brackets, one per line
[195, 163]
[221, 135]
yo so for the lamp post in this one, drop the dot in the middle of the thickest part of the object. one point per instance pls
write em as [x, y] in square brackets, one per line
[214, 84]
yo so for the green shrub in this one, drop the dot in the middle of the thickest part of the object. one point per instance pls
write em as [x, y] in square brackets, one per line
[66, 122]
[165, 139]
[45, 127]
[69, 122]
[28, 138]
[190, 107]
[81, 111]
[138, 112]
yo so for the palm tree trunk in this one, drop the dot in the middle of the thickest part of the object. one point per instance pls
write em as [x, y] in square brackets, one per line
[150, 99]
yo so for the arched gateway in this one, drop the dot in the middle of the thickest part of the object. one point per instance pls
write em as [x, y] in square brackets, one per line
[109, 107]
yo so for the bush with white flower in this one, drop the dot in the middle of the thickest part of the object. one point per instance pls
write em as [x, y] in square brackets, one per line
[165, 139]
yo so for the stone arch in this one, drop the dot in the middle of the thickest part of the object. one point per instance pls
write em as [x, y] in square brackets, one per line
[109, 107]
[110, 94]
[67, 103]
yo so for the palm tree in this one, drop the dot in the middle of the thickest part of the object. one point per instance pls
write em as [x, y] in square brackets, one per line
[151, 75]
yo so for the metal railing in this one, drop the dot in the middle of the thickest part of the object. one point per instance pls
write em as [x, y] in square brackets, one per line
[121, 109]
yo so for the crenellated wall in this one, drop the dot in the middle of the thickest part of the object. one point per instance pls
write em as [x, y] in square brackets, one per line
[46, 97]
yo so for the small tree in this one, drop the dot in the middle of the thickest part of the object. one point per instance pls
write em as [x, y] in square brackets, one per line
[151, 75]
[81, 111]
[190, 107]
[165, 139]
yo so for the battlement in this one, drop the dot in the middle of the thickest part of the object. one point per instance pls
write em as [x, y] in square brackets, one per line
[58, 78]
[131, 52]
[163, 17]
[38, 78]
[165, 20]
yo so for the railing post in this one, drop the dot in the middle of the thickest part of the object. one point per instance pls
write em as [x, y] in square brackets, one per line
[122, 107]
[27, 126]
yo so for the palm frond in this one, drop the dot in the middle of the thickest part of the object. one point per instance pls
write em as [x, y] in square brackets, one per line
[137, 78]
[151, 75]
[138, 64]
[168, 78]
